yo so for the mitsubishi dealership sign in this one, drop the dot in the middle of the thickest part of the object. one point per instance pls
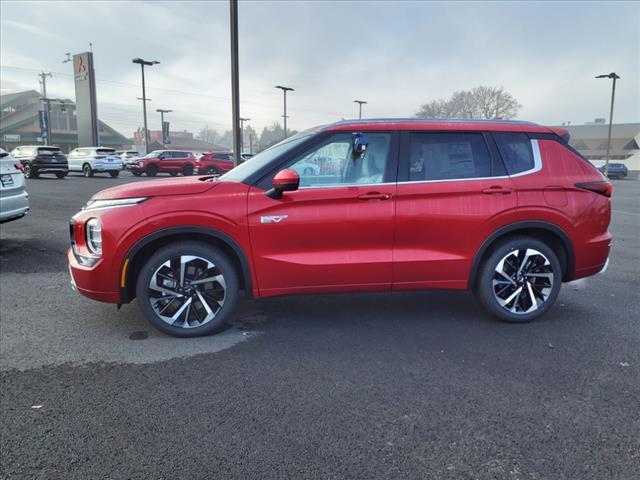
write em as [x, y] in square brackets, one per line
[86, 101]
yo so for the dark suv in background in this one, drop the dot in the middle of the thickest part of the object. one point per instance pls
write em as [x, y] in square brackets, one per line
[165, 161]
[39, 159]
[615, 170]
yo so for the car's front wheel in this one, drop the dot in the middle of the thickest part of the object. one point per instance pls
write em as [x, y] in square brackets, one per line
[87, 170]
[61, 175]
[520, 280]
[29, 172]
[114, 174]
[187, 289]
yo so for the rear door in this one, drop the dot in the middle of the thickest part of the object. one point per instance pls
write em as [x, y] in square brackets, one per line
[453, 192]
[335, 233]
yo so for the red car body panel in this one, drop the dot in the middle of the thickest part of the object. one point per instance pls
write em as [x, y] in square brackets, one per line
[389, 236]
[164, 165]
[216, 161]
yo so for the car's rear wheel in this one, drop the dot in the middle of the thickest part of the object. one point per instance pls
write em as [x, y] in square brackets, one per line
[114, 174]
[211, 171]
[87, 170]
[520, 280]
[187, 170]
[187, 289]
[152, 170]
[61, 175]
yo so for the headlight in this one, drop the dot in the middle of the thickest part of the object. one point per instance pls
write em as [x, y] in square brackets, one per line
[94, 236]
[119, 202]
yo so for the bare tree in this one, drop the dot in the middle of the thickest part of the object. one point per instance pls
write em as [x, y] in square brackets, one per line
[208, 134]
[480, 103]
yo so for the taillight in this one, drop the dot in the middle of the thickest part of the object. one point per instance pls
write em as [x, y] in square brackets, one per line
[603, 188]
[19, 166]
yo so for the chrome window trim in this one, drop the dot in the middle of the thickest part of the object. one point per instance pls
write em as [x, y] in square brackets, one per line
[340, 185]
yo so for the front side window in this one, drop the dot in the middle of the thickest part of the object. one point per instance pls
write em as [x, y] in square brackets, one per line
[450, 156]
[332, 163]
[515, 150]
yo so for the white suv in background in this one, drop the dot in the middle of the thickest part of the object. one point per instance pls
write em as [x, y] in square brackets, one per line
[90, 160]
[14, 199]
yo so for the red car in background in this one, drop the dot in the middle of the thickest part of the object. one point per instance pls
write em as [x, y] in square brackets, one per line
[215, 163]
[165, 161]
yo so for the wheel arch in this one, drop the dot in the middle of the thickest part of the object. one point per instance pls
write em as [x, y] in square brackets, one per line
[135, 257]
[547, 232]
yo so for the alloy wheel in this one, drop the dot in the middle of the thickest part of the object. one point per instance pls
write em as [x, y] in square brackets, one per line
[523, 281]
[187, 291]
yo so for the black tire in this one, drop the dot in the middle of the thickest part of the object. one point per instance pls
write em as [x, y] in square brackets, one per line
[136, 174]
[87, 170]
[29, 172]
[152, 170]
[61, 175]
[485, 286]
[222, 264]
[173, 174]
[114, 174]
[211, 171]
[187, 170]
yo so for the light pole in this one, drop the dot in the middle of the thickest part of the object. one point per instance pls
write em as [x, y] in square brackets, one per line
[162, 112]
[242, 120]
[285, 90]
[359, 102]
[142, 63]
[235, 80]
[614, 77]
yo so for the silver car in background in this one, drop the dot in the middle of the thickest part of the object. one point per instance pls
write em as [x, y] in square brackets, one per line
[14, 199]
[91, 160]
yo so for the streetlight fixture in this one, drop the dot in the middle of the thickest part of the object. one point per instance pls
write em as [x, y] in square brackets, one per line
[613, 76]
[242, 120]
[162, 112]
[142, 64]
[285, 90]
[359, 102]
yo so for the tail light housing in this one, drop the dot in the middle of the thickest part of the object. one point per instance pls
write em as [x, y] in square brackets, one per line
[602, 188]
[19, 166]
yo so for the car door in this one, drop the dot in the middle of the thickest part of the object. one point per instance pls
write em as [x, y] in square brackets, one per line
[335, 232]
[453, 192]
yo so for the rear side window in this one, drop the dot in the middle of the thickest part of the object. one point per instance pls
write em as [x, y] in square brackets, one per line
[516, 152]
[223, 156]
[449, 156]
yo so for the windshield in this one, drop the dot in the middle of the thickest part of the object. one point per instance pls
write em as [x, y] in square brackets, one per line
[246, 169]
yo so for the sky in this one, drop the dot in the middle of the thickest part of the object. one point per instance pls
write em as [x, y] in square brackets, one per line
[395, 55]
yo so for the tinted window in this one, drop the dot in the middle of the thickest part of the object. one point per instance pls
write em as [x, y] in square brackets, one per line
[180, 155]
[515, 150]
[331, 163]
[222, 156]
[48, 151]
[105, 151]
[446, 156]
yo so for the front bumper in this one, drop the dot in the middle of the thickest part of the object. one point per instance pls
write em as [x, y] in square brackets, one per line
[85, 281]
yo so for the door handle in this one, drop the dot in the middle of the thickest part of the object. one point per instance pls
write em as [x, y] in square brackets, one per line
[374, 196]
[497, 190]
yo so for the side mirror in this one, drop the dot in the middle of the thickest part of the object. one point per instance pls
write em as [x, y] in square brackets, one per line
[360, 144]
[286, 180]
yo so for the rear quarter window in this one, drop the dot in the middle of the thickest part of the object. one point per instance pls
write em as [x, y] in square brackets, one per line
[516, 152]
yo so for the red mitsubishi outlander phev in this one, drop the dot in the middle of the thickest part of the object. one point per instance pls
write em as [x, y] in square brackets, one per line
[506, 209]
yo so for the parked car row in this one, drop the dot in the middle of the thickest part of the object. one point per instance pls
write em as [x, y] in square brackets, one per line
[43, 159]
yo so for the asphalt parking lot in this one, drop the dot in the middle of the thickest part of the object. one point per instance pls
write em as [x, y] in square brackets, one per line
[364, 386]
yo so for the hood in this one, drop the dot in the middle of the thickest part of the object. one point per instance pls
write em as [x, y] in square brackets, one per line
[155, 188]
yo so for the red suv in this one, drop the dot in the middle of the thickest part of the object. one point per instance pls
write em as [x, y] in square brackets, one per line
[165, 161]
[215, 163]
[506, 209]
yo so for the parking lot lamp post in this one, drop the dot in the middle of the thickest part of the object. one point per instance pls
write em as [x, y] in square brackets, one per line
[142, 63]
[285, 90]
[614, 77]
[359, 102]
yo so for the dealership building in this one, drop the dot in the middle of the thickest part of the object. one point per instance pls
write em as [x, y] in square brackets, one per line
[20, 124]
[591, 141]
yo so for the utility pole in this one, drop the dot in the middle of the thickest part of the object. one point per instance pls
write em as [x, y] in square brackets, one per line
[45, 104]
[162, 112]
[614, 77]
[242, 120]
[235, 81]
[142, 63]
[359, 102]
[285, 90]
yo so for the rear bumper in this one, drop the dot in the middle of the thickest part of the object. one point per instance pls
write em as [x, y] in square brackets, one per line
[50, 168]
[107, 167]
[14, 206]
[86, 281]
